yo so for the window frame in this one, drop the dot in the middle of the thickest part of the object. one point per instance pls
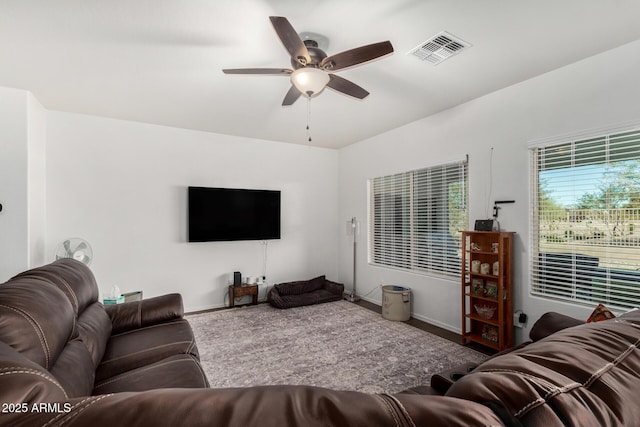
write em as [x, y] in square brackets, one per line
[576, 276]
[411, 235]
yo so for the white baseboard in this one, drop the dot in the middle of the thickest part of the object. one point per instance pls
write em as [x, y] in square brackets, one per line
[371, 300]
[191, 310]
[436, 323]
[421, 317]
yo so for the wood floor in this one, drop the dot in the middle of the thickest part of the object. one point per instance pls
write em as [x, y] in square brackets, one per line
[451, 336]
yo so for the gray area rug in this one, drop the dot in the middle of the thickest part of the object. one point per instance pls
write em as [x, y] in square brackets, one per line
[337, 345]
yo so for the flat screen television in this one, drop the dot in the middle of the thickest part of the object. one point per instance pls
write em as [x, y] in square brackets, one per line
[227, 214]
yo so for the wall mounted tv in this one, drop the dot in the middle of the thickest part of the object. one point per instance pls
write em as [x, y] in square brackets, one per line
[226, 214]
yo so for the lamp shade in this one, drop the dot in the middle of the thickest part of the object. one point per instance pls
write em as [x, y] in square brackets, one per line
[310, 81]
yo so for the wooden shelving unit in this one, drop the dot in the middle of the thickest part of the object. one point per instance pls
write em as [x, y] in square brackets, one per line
[490, 287]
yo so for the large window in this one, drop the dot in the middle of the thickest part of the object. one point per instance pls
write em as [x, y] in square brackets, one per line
[416, 218]
[586, 224]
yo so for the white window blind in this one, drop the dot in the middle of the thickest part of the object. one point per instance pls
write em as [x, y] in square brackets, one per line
[416, 218]
[586, 220]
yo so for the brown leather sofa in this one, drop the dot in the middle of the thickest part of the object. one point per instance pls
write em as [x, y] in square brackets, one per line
[52, 332]
[52, 317]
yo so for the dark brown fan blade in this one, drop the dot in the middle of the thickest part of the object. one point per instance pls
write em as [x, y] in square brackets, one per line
[346, 87]
[291, 96]
[290, 39]
[272, 71]
[356, 56]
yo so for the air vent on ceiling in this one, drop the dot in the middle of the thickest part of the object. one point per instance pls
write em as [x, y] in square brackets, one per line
[440, 47]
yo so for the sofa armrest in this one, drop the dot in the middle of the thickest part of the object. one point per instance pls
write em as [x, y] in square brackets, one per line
[146, 312]
[334, 288]
[266, 406]
[550, 323]
[632, 316]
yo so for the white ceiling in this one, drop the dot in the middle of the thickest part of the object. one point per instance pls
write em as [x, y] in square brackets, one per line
[160, 61]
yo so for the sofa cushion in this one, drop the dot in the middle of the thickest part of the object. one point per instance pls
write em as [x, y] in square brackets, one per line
[36, 319]
[72, 277]
[94, 328]
[179, 371]
[24, 381]
[584, 375]
[550, 323]
[140, 347]
[151, 311]
[77, 282]
[74, 369]
[631, 316]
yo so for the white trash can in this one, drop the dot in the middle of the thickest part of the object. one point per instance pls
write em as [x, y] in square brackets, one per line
[396, 303]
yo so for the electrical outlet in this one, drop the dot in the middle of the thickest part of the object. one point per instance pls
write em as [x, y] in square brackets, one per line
[519, 319]
[516, 320]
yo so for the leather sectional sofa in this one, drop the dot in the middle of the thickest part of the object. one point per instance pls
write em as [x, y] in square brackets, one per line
[66, 360]
[52, 316]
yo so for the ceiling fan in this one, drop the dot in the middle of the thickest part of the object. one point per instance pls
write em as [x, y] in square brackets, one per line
[312, 68]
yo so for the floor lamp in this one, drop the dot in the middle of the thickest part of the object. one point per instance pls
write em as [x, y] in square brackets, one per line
[353, 228]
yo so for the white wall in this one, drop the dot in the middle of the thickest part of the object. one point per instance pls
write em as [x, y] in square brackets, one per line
[13, 182]
[36, 179]
[596, 92]
[123, 187]
[22, 141]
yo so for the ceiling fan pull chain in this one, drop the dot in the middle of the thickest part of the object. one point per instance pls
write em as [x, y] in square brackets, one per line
[308, 117]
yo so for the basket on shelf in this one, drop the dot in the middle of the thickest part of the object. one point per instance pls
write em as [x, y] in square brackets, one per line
[485, 311]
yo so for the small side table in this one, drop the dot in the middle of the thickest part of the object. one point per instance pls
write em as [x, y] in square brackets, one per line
[240, 291]
[132, 296]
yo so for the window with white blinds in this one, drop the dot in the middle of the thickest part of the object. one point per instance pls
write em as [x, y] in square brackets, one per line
[416, 218]
[586, 221]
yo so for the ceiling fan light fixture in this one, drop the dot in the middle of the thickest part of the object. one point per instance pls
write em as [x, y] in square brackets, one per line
[309, 81]
[311, 69]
